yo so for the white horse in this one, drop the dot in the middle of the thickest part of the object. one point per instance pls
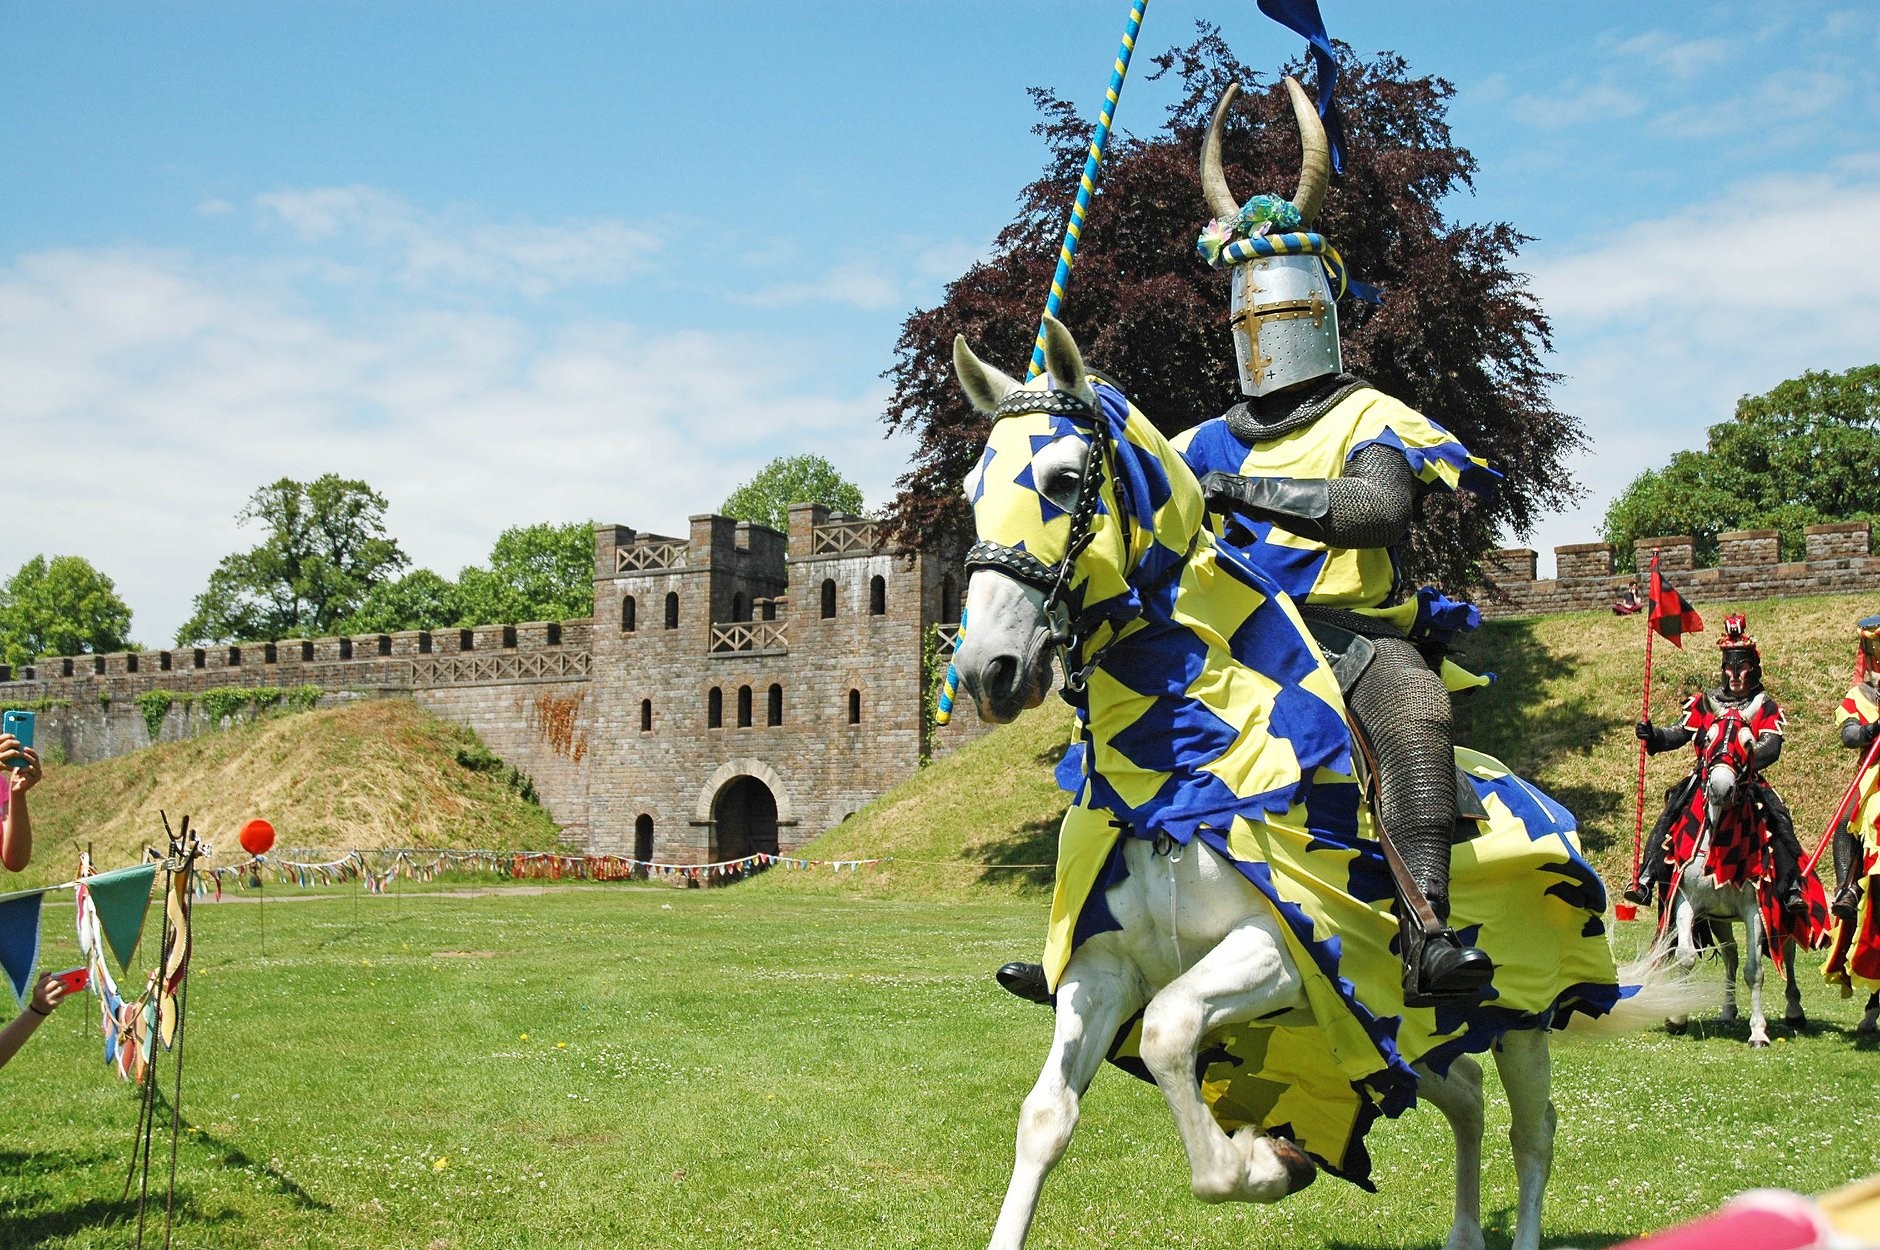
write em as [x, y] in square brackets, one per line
[1196, 948]
[1724, 754]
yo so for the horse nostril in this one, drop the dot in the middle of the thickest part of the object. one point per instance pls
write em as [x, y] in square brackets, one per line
[1001, 672]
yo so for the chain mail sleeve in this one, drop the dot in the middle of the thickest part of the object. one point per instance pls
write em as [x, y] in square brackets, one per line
[1370, 506]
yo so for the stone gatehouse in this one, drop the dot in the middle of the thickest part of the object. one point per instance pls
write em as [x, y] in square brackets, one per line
[737, 690]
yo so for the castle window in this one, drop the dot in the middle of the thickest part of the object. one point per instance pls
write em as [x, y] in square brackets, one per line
[643, 838]
[672, 609]
[877, 595]
[509, 637]
[65, 665]
[306, 652]
[855, 707]
[554, 633]
[424, 642]
[739, 610]
[949, 600]
[200, 658]
[130, 662]
[715, 709]
[770, 609]
[744, 707]
[345, 648]
[234, 657]
[385, 644]
[163, 661]
[466, 640]
[97, 666]
[627, 609]
[270, 654]
[828, 597]
[776, 706]
[646, 716]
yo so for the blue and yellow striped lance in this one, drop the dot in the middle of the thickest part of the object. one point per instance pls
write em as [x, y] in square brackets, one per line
[1067, 253]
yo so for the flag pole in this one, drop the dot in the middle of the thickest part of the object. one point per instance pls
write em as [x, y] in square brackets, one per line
[1067, 253]
[1840, 813]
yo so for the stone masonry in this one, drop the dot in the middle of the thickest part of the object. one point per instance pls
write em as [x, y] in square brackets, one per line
[1837, 559]
[737, 690]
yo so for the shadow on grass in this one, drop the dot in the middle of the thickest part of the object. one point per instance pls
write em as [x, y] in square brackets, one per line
[37, 1218]
[1531, 725]
[1033, 844]
[1497, 1234]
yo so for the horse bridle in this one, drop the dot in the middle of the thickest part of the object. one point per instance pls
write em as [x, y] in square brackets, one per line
[1053, 580]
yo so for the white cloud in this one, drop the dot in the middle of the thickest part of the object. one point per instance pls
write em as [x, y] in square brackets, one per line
[151, 392]
[1668, 322]
[1576, 103]
[1683, 58]
[455, 249]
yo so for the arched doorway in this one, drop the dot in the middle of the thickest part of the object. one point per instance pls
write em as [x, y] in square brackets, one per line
[744, 820]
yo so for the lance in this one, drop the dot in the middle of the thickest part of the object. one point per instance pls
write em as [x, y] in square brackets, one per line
[1645, 713]
[1067, 253]
[1840, 813]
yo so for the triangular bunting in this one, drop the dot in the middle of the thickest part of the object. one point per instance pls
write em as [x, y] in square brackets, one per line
[19, 939]
[122, 897]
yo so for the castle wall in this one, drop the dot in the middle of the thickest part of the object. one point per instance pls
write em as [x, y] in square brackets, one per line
[1836, 559]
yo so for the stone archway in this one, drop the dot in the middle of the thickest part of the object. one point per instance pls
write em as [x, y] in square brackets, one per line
[742, 806]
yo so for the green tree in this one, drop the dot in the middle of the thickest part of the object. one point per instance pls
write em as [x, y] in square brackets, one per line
[536, 573]
[61, 606]
[326, 548]
[1806, 453]
[419, 600]
[766, 498]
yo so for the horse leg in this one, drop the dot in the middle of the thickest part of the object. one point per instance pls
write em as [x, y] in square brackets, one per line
[1753, 971]
[1247, 974]
[1870, 1022]
[1527, 1074]
[1097, 994]
[1792, 1013]
[1683, 916]
[1459, 1097]
[1725, 937]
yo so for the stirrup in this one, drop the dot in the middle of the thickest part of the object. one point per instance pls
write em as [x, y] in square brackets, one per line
[1439, 970]
[1027, 981]
[1641, 892]
[1846, 903]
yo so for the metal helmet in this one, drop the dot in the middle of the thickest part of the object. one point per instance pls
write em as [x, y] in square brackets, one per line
[1867, 657]
[1284, 314]
[1742, 662]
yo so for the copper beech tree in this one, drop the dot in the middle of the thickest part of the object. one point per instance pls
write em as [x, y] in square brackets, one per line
[1458, 335]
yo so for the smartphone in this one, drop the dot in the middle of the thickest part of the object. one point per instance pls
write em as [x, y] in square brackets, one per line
[73, 979]
[20, 725]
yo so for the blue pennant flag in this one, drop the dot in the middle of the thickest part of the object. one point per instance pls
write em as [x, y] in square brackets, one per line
[1302, 17]
[19, 939]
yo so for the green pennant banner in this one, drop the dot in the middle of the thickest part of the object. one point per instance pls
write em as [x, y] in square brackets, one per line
[122, 897]
[19, 939]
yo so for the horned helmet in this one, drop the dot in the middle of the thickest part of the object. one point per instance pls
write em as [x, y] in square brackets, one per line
[1283, 312]
[1867, 656]
[1742, 662]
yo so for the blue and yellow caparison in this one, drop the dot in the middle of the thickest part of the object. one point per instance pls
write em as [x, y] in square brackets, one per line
[1208, 715]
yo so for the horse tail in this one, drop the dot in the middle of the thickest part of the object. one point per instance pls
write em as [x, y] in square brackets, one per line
[1658, 989]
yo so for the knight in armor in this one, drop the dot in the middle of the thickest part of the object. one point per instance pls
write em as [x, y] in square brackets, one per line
[1860, 725]
[1740, 688]
[1316, 476]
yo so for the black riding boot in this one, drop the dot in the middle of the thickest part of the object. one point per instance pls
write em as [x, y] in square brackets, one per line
[1651, 865]
[1847, 854]
[1786, 850]
[1028, 982]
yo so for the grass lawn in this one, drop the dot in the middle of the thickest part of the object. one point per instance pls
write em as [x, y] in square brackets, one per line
[737, 1068]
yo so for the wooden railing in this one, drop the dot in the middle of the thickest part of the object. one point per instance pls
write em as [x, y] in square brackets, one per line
[474, 668]
[644, 556]
[838, 537]
[949, 639]
[731, 637]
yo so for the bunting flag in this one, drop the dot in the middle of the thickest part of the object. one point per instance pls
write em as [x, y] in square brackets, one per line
[122, 897]
[19, 939]
[1302, 17]
[1671, 617]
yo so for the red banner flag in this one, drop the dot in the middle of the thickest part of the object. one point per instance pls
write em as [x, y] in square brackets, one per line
[1671, 616]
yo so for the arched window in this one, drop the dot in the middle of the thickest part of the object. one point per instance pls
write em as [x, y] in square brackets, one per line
[949, 600]
[828, 597]
[877, 595]
[739, 612]
[744, 707]
[643, 838]
[672, 609]
[646, 716]
[855, 707]
[775, 716]
[627, 610]
[715, 709]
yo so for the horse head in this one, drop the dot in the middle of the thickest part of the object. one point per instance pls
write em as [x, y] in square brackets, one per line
[1726, 752]
[1077, 502]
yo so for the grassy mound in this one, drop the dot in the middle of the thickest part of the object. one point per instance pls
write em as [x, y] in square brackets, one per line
[1561, 713]
[380, 772]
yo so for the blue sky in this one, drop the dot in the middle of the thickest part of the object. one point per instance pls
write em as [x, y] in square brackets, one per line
[513, 263]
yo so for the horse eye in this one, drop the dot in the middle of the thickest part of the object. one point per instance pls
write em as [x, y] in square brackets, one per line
[1063, 485]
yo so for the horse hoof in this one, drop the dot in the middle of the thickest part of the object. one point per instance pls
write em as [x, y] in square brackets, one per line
[1758, 1043]
[1867, 1026]
[1676, 1028]
[1300, 1170]
[1727, 1016]
[1798, 1021]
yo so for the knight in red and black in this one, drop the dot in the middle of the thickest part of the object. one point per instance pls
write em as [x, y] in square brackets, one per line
[1740, 691]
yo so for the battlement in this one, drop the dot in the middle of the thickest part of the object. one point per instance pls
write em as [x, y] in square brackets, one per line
[1837, 557]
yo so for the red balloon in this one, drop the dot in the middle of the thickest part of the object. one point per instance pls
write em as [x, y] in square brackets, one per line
[257, 836]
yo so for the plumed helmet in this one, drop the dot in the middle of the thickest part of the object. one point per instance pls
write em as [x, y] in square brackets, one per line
[1742, 662]
[1284, 311]
[1867, 655]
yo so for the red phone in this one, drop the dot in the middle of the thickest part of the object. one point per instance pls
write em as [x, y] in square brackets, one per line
[74, 979]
